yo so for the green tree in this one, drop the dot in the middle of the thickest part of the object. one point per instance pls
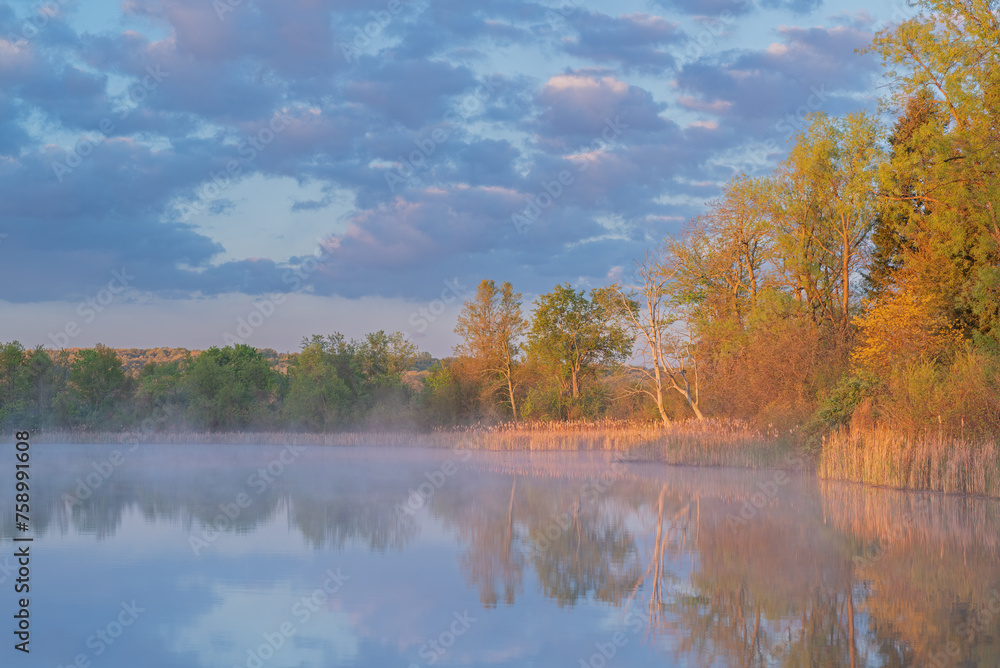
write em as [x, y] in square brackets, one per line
[575, 335]
[14, 383]
[448, 396]
[318, 398]
[101, 384]
[382, 358]
[46, 380]
[899, 190]
[491, 325]
[162, 389]
[230, 388]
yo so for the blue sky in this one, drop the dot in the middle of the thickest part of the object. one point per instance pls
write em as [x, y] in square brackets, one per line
[193, 172]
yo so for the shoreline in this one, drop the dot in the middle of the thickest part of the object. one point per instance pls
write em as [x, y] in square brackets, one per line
[873, 457]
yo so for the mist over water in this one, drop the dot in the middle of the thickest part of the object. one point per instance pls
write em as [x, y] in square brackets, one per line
[221, 556]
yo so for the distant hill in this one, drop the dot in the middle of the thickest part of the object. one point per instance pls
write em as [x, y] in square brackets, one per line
[134, 359]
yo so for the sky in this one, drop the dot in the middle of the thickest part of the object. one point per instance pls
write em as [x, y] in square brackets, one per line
[190, 173]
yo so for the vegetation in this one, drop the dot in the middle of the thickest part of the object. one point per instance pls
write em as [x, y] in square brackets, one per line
[851, 297]
[490, 325]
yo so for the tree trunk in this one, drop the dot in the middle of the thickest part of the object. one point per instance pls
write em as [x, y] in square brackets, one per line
[510, 391]
[696, 410]
[687, 395]
[846, 278]
[659, 396]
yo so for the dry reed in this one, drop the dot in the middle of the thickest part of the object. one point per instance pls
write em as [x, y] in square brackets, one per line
[928, 461]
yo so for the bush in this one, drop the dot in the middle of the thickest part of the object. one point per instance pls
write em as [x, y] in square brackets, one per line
[962, 397]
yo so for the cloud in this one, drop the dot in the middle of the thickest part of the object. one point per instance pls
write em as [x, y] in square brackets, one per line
[752, 90]
[635, 41]
[708, 7]
[600, 98]
[580, 103]
[412, 93]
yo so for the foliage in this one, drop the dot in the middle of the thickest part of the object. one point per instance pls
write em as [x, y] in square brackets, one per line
[839, 406]
[230, 387]
[574, 335]
[946, 64]
[825, 207]
[99, 385]
[491, 326]
[317, 395]
[902, 326]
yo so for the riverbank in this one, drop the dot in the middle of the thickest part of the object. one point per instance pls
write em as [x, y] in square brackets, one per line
[874, 456]
[705, 443]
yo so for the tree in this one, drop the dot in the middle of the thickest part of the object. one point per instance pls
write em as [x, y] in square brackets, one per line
[13, 382]
[491, 324]
[45, 381]
[575, 335]
[720, 263]
[901, 327]
[230, 387]
[161, 384]
[949, 55]
[900, 191]
[647, 311]
[826, 203]
[382, 358]
[318, 398]
[101, 383]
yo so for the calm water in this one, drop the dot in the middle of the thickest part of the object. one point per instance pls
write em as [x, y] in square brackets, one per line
[387, 557]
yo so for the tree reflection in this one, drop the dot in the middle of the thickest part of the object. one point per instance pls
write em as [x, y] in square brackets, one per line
[491, 562]
[814, 575]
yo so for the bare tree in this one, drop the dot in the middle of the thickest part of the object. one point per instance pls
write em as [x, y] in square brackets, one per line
[650, 315]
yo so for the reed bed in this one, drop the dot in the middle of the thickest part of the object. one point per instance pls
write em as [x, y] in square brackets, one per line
[706, 442]
[932, 461]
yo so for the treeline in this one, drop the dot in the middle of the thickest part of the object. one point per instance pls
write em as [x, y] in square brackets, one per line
[570, 368]
[134, 359]
[331, 383]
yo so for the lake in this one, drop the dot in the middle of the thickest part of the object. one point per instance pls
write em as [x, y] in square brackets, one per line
[282, 557]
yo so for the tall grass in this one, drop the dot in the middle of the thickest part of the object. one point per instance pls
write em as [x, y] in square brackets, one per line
[933, 461]
[706, 443]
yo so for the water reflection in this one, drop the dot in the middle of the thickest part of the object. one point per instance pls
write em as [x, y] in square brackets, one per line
[556, 557]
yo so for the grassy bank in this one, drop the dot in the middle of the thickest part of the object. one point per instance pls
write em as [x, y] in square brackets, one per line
[929, 461]
[707, 443]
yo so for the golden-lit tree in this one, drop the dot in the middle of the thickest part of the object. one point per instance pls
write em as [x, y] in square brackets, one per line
[902, 326]
[826, 207]
[491, 325]
[948, 56]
